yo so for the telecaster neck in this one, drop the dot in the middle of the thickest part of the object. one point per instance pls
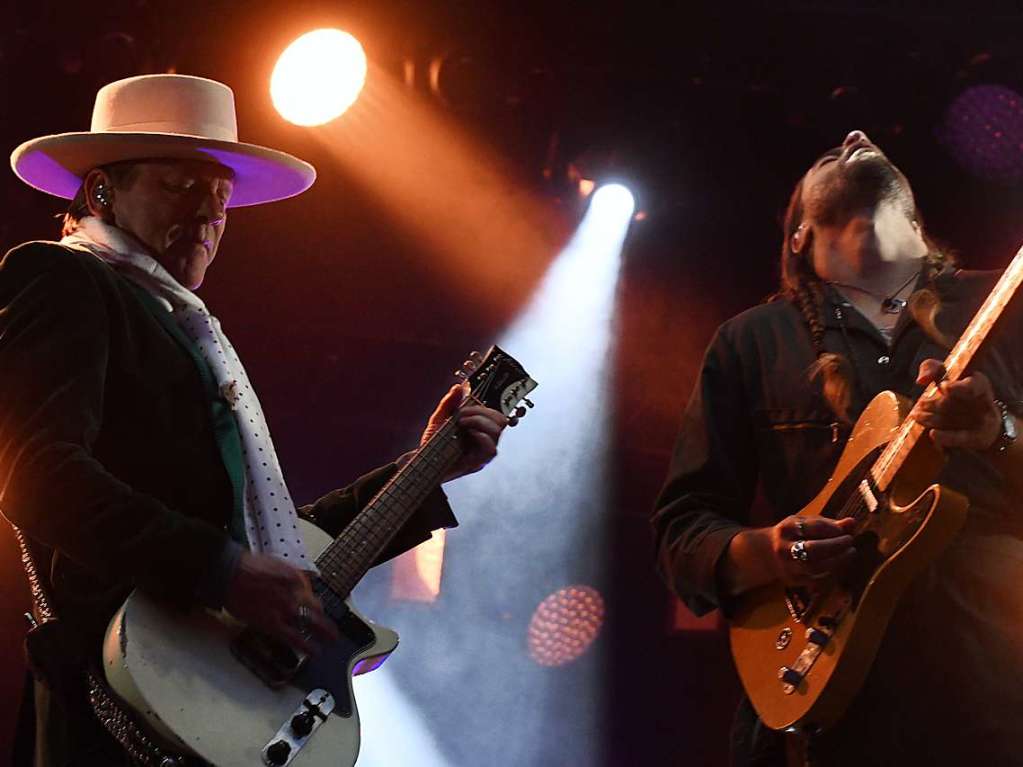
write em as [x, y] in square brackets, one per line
[958, 360]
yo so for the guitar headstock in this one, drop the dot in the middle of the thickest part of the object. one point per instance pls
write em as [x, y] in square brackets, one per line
[498, 381]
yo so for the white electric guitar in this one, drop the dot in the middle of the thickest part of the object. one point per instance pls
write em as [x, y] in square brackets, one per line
[207, 686]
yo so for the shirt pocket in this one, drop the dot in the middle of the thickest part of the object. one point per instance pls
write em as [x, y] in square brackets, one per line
[798, 450]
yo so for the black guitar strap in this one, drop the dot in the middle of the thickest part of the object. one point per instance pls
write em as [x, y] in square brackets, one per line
[56, 666]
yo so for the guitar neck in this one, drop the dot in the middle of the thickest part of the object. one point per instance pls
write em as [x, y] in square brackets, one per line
[958, 360]
[349, 557]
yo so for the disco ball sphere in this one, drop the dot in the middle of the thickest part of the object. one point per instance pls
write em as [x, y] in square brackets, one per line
[565, 624]
[983, 130]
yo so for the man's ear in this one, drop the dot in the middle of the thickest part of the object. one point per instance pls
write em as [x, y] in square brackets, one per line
[99, 194]
[800, 237]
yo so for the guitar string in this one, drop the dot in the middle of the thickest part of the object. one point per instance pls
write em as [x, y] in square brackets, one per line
[966, 347]
[342, 567]
[396, 498]
[855, 505]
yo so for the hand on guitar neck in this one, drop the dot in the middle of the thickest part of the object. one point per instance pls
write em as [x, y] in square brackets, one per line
[963, 413]
[479, 426]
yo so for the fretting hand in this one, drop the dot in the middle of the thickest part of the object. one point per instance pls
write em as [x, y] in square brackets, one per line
[480, 428]
[962, 413]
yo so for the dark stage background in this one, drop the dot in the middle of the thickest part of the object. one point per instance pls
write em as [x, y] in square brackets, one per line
[709, 111]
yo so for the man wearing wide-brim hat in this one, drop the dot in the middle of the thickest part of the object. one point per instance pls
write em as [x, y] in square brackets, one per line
[134, 452]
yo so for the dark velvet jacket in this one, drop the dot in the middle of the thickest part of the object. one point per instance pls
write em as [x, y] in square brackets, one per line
[117, 452]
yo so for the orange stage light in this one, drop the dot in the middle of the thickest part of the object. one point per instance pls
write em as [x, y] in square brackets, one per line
[318, 77]
[489, 236]
[417, 573]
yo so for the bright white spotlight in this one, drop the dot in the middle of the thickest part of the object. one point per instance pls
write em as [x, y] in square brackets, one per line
[318, 77]
[614, 200]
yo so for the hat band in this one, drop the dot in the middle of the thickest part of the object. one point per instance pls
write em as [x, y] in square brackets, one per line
[215, 131]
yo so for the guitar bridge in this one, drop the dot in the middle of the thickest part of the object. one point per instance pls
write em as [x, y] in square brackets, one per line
[274, 662]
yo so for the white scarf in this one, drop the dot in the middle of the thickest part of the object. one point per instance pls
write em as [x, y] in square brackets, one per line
[270, 519]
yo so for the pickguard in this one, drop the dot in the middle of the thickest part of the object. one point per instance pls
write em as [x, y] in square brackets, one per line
[331, 669]
[882, 532]
[277, 664]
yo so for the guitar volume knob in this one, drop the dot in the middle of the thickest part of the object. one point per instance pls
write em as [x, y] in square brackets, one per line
[302, 724]
[277, 753]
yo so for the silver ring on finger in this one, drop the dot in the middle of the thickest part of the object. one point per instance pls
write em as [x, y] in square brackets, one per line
[798, 551]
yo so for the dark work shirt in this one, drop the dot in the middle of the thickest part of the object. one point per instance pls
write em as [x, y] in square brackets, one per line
[756, 423]
[758, 442]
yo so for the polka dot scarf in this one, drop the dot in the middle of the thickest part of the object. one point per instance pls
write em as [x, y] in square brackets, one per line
[270, 520]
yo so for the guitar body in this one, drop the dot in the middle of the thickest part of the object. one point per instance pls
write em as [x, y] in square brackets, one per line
[827, 638]
[179, 673]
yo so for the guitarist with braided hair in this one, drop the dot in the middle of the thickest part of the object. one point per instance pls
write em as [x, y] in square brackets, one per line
[868, 303]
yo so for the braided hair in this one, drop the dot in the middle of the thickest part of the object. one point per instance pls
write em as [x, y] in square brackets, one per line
[801, 285]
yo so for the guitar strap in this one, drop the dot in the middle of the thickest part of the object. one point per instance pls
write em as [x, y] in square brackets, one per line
[54, 665]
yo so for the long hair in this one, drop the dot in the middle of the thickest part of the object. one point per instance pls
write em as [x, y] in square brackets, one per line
[801, 285]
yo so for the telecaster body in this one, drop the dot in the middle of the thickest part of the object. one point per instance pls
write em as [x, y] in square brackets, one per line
[178, 672]
[802, 655]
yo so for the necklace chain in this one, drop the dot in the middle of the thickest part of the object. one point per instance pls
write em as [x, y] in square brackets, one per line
[890, 304]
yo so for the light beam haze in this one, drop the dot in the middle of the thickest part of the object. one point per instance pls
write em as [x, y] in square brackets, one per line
[532, 522]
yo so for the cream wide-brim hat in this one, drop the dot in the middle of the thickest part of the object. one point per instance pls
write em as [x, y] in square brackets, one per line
[157, 117]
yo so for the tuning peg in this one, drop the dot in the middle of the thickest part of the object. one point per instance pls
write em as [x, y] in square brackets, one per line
[520, 412]
[513, 421]
[476, 357]
[461, 375]
[529, 403]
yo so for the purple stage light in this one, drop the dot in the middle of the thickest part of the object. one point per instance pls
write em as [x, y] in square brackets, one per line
[983, 130]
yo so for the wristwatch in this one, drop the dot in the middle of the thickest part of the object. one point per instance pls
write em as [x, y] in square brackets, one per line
[1009, 432]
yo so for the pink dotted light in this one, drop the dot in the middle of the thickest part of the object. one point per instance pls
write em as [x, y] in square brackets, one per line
[983, 130]
[565, 624]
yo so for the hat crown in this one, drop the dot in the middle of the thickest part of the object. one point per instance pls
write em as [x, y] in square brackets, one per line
[168, 104]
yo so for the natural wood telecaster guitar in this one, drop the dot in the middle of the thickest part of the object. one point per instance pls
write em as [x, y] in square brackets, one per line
[207, 686]
[802, 654]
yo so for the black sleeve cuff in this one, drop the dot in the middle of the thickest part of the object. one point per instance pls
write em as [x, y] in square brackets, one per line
[211, 591]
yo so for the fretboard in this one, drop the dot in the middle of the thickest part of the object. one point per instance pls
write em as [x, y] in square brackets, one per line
[962, 354]
[346, 560]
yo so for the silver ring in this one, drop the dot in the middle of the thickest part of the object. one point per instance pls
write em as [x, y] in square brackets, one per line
[798, 551]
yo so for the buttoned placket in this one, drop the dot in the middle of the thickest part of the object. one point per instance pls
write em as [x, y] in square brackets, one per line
[875, 368]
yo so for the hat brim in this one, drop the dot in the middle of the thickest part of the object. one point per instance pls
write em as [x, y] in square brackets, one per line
[56, 164]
